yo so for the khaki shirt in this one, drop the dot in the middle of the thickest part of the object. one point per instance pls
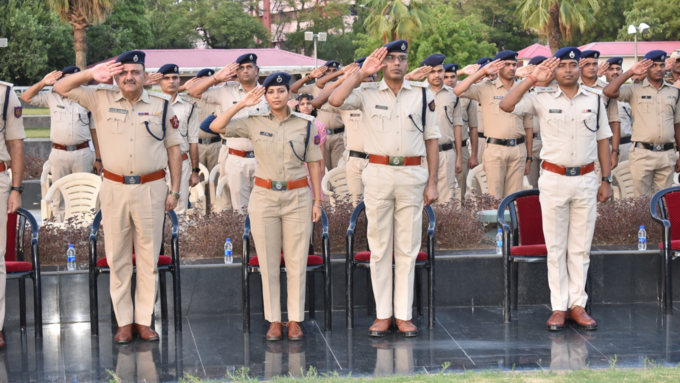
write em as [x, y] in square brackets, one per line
[565, 124]
[611, 105]
[12, 126]
[501, 125]
[468, 111]
[392, 129]
[655, 112]
[224, 97]
[326, 114]
[355, 128]
[70, 122]
[480, 118]
[448, 113]
[626, 118]
[185, 111]
[127, 147]
[203, 109]
[278, 144]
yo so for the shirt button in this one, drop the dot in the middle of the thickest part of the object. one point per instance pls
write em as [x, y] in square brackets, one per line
[131, 139]
[279, 156]
[280, 139]
[280, 172]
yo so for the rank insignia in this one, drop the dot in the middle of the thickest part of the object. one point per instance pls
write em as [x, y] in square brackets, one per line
[175, 122]
[317, 140]
[431, 106]
[18, 111]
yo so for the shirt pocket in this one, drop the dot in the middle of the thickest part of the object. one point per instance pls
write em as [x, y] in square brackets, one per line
[84, 118]
[587, 123]
[152, 127]
[59, 115]
[295, 150]
[448, 111]
[264, 144]
[669, 108]
[556, 124]
[645, 105]
[116, 121]
[381, 119]
[494, 106]
[355, 120]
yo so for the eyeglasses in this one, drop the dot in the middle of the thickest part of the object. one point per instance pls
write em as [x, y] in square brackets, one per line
[401, 59]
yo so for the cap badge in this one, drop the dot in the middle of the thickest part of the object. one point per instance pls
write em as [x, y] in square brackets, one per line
[278, 79]
[663, 57]
[135, 59]
[403, 47]
[176, 69]
[251, 57]
[571, 54]
[210, 73]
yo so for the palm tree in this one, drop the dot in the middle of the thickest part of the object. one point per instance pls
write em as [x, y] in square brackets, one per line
[396, 19]
[557, 18]
[81, 14]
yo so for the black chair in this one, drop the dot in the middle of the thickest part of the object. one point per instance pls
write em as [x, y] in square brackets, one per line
[18, 269]
[315, 264]
[523, 242]
[361, 260]
[166, 264]
[667, 202]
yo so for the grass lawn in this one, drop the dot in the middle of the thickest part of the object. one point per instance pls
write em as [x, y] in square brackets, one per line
[36, 111]
[37, 133]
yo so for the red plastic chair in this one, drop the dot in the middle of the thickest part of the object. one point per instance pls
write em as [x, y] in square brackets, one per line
[667, 202]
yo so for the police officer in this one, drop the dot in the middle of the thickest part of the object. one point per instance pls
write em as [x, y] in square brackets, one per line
[209, 144]
[575, 132]
[187, 114]
[11, 157]
[536, 144]
[505, 157]
[280, 209]
[654, 104]
[237, 159]
[590, 77]
[481, 63]
[468, 111]
[71, 129]
[674, 71]
[140, 137]
[613, 70]
[402, 132]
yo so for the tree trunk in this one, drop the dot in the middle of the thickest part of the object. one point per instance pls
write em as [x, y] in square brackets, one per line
[80, 46]
[555, 35]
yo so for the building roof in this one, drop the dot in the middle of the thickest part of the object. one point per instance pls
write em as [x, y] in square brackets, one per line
[190, 61]
[627, 48]
[534, 50]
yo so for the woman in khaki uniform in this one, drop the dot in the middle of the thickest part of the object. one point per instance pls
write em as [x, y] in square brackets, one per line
[281, 202]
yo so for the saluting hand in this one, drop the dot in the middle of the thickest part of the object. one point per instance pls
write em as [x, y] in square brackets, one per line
[318, 72]
[470, 69]
[152, 78]
[419, 73]
[374, 62]
[227, 72]
[51, 77]
[669, 63]
[640, 67]
[105, 71]
[253, 97]
[493, 67]
[544, 72]
[602, 69]
[349, 71]
[188, 84]
[524, 71]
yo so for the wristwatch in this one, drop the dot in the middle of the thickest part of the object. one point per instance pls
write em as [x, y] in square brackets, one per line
[172, 193]
[617, 151]
[530, 158]
[607, 179]
[196, 170]
[20, 189]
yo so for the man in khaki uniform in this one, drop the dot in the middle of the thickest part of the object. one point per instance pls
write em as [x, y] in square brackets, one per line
[654, 104]
[575, 132]
[468, 111]
[186, 112]
[481, 138]
[11, 157]
[209, 144]
[590, 78]
[536, 144]
[237, 159]
[139, 134]
[614, 70]
[401, 135]
[673, 73]
[505, 157]
[71, 129]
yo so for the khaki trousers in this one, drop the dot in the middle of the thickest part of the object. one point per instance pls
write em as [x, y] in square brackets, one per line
[354, 168]
[447, 176]
[650, 168]
[504, 167]
[333, 149]
[273, 362]
[282, 219]
[462, 176]
[481, 145]
[240, 173]
[568, 351]
[183, 202]
[390, 360]
[394, 201]
[136, 365]
[5, 184]
[63, 163]
[624, 152]
[209, 154]
[569, 206]
[535, 170]
[133, 214]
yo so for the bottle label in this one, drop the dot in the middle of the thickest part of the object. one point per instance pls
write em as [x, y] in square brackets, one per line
[499, 243]
[71, 258]
[227, 253]
[642, 239]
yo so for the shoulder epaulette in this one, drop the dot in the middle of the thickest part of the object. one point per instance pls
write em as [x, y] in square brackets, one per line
[592, 90]
[602, 83]
[105, 87]
[6, 84]
[370, 85]
[545, 89]
[257, 113]
[421, 84]
[188, 99]
[448, 87]
[232, 83]
[304, 116]
[160, 95]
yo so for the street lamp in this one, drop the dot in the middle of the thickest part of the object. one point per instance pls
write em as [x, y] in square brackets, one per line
[311, 36]
[633, 30]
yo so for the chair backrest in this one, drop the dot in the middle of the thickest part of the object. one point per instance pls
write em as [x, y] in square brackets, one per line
[197, 198]
[16, 226]
[11, 247]
[530, 220]
[204, 174]
[213, 179]
[672, 204]
[334, 183]
[477, 180]
[79, 192]
[624, 179]
[45, 178]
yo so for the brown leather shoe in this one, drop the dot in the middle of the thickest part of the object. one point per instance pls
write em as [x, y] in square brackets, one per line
[407, 328]
[556, 321]
[2, 341]
[275, 331]
[580, 317]
[145, 332]
[294, 331]
[124, 334]
[381, 327]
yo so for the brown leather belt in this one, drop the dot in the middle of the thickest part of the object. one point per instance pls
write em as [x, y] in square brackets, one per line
[394, 160]
[281, 185]
[3, 167]
[71, 148]
[569, 172]
[242, 153]
[135, 180]
[185, 156]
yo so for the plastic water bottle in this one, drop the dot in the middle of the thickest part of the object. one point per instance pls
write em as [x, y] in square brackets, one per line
[71, 258]
[499, 242]
[642, 239]
[228, 257]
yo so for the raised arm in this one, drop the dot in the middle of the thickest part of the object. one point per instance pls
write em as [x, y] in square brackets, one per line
[372, 65]
[490, 69]
[49, 79]
[321, 83]
[219, 125]
[101, 73]
[322, 98]
[197, 89]
[316, 73]
[541, 73]
[639, 69]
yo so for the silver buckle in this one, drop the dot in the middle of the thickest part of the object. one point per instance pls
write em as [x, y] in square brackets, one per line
[511, 142]
[71, 148]
[204, 141]
[658, 147]
[328, 131]
[570, 172]
[279, 185]
[133, 180]
[250, 154]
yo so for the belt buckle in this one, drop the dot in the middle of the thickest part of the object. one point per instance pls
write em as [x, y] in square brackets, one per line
[132, 180]
[511, 142]
[250, 154]
[70, 148]
[396, 161]
[571, 172]
[203, 141]
[658, 147]
[329, 131]
[279, 185]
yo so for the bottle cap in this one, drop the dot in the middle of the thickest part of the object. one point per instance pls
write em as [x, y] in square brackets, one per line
[228, 239]
[642, 227]
[69, 245]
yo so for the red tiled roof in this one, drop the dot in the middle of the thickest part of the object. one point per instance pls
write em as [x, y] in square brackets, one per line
[534, 50]
[627, 48]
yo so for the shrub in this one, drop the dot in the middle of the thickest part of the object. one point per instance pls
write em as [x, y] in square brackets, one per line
[33, 166]
[619, 221]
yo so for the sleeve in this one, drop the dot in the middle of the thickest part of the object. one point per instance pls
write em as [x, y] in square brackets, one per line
[172, 136]
[91, 118]
[192, 131]
[605, 130]
[85, 96]
[313, 151]
[472, 115]
[474, 92]
[321, 131]
[457, 111]
[431, 127]
[14, 125]
[676, 119]
[212, 95]
[41, 100]
[626, 93]
[613, 110]
[205, 125]
[526, 106]
[528, 121]
[354, 101]
[238, 127]
[305, 89]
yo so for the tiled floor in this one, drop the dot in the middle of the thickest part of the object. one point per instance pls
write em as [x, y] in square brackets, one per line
[213, 346]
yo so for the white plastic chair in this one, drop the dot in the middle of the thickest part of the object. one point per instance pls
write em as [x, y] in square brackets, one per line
[526, 184]
[80, 192]
[204, 175]
[676, 182]
[220, 189]
[197, 200]
[213, 180]
[624, 181]
[334, 184]
[476, 180]
[45, 183]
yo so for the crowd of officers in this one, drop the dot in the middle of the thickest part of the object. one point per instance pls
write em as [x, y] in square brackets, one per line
[405, 141]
